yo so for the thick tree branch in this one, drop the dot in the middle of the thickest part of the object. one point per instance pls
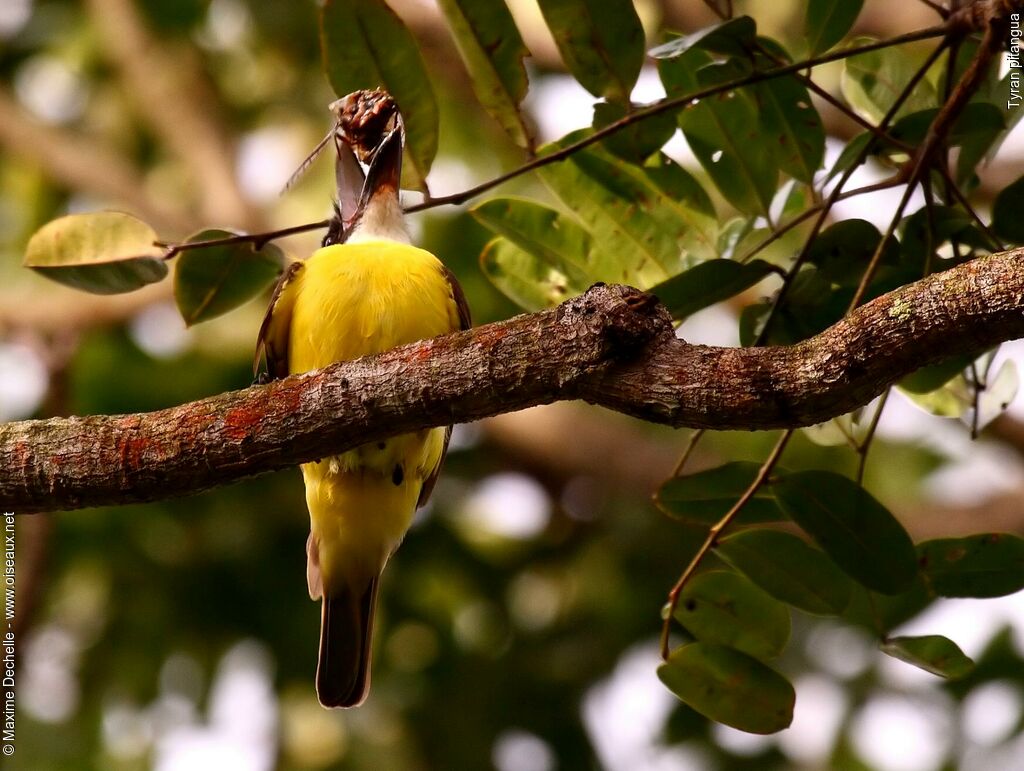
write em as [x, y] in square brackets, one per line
[613, 346]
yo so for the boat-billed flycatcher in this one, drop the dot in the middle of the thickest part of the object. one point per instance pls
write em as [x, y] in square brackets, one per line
[367, 289]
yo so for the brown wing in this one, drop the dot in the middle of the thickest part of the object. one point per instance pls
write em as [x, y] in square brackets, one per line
[274, 331]
[465, 322]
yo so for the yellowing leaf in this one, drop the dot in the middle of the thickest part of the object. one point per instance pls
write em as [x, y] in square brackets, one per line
[102, 252]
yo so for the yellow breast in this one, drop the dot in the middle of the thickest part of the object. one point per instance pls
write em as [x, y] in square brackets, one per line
[360, 299]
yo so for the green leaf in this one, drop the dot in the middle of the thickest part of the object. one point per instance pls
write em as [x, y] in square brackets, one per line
[725, 608]
[881, 612]
[842, 251]
[732, 37]
[490, 45]
[872, 82]
[1007, 222]
[789, 569]
[101, 252]
[707, 496]
[524, 278]
[638, 141]
[851, 526]
[935, 376]
[850, 154]
[828, 21]
[637, 228]
[709, 282]
[724, 131]
[793, 126]
[210, 282]
[932, 653]
[688, 203]
[601, 43]
[951, 400]
[977, 119]
[554, 240]
[983, 565]
[366, 45]
[539, 229]
[923, 229]
[729, 687]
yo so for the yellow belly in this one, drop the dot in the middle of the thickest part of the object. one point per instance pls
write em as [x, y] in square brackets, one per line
[355, 300]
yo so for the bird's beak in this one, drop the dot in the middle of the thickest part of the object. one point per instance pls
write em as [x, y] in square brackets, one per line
[349, 181]
[385, 172]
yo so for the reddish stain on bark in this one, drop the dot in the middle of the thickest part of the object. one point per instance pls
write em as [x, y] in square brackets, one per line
[239, 422]
[489, 335]
[21, 454]
[133, 448]
[421, 353]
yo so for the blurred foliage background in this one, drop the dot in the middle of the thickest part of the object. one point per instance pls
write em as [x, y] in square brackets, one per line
[519, 621]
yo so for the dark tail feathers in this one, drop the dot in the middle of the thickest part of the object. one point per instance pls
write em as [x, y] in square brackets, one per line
[346, 630]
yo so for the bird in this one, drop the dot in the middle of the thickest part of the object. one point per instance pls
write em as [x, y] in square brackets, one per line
[365, 290]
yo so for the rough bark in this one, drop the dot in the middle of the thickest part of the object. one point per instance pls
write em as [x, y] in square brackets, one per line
[612, 346]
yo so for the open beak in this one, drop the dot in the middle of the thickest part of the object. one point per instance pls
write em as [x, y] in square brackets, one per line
[385, 172]
[349, 181]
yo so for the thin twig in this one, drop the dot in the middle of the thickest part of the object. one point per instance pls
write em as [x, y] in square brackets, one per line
[958, 194]
[258, 240]
[691, 445]
[865, 445]
[979, 385]
[714, 532]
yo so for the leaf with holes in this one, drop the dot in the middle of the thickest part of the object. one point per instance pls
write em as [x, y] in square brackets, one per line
[724, 131]
[103, 252]
[790, 121]
[983, 565]
[789, 569]
[851, 526]
[601, 43]
[729, 687]
[210, 282]
[932, 653]
[493, 50]
[725, 608]
[366, 45]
